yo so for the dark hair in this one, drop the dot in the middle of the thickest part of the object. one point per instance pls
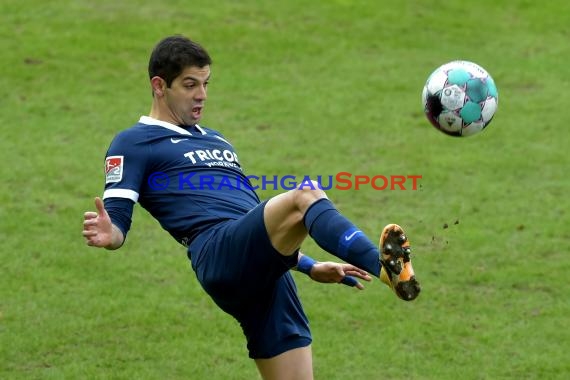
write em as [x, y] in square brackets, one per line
[173, 54]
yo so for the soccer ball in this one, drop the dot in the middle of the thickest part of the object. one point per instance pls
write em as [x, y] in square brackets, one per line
[460, 98]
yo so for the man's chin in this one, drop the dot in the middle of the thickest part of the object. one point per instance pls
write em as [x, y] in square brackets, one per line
[191, 121]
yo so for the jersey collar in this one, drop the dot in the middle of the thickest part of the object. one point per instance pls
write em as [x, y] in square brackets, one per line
[152, 121]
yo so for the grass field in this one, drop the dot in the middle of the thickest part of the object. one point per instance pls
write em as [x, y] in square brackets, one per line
[303, 88]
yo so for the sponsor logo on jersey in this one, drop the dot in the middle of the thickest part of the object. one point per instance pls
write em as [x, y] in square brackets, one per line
[113, 169]
[213, 157]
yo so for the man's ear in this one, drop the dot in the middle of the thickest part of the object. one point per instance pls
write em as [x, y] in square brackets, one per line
[158, 85]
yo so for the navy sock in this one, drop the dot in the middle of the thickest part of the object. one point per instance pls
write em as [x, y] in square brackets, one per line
[337, 235]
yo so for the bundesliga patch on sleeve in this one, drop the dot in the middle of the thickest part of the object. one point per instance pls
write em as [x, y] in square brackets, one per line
[113, 169]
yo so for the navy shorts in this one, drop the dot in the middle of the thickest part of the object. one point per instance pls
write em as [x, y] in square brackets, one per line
[247, 278]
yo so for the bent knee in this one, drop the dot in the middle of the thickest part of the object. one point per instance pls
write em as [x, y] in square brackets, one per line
[307, 193]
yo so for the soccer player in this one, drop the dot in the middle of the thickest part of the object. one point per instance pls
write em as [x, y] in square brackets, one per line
[190, 179]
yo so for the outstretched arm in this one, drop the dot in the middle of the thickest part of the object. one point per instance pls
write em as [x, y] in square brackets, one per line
[331, 272]
[98, 229]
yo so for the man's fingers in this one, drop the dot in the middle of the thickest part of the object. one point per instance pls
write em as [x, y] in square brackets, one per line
[363, 275]
[351, 281]
[90, 215]
[89, 222]
[89, 233]
[354, 269]
[100, 206]
[92, 238]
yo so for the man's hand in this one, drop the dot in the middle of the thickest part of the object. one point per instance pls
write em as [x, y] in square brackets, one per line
[98, 229]
[330, 272]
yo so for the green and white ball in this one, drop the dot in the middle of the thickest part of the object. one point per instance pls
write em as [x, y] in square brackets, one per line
[460, 98]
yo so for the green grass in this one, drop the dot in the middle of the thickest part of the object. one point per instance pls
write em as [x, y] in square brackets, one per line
[299, 88]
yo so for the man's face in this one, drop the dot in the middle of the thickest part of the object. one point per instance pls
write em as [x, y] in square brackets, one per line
[187, 94]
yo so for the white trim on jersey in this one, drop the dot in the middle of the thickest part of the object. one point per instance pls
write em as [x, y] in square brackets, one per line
[200, 129]
[152, 121]
[121, 193]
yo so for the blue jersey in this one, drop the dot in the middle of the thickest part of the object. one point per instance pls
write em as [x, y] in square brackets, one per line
[189, 179]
